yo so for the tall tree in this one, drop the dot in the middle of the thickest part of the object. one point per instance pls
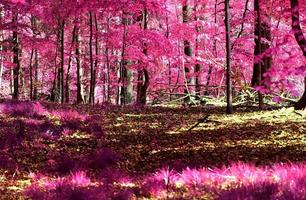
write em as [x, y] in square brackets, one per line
[229, 95]
[1, 48]
[187, 52]
[143, 74]
[62, 63]
[301, 40]
[92, 65]
[258, 65]
[67, 82]
[125, 86]
[16, 61]
[78, 53]
[197, 66]
[262, 40]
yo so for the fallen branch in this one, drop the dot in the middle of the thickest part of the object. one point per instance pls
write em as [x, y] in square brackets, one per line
[202, 120]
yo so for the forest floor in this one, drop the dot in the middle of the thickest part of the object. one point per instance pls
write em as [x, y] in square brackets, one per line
[139, 141]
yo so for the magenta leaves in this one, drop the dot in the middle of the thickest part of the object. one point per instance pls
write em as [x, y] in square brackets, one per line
[239, 181]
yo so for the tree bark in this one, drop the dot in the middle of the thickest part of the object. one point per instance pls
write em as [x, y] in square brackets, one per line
[61, 69]
[34, 53]
[67, 83]
[36, 65]
[125, 88]
[1, 49]
[229, 97]
[31, 74]
[258, 66]
[16, 61]
[187, 52]
[107, 73]
[80, 95]
[143, 74]
[214, 50]
[92, 66]
[96, 58]
[197, 66]
[263, 31]
[301, 40]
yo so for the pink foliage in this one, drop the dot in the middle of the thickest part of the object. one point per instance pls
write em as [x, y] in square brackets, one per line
[25, 109]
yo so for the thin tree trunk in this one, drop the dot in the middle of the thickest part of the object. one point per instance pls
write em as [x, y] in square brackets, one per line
[257, 74]
[263, 31]
[36, 64]
[107, 76]
[31, 74]
[169, 62]
[301, 40]
[125, 88]
[61, 69]
[92, 70]
[67, 84]
[121, 96]
[1, 49]
[80, 95]
[54, 90]
[229, 97]
[143, 74]
[188, 52]
[96, 58]
[214, 48]
[34, 84]
[197, 66]
[16, 71]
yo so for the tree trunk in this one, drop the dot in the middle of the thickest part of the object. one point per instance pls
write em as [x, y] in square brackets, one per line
[301, 40]
[61, 68]
[92, 66]
[31, 74]
[143, 74]
[229, 97]
[80, 95]
[258, 66]
[36, 64]
[16, 71]
[96, 58]
[34, 84]
[1, 49]
[125, 77]
[188, 52]
[197, 66]
[143, 85]
[207, 92]
[67, 84]
[262, 30]
[107, 73]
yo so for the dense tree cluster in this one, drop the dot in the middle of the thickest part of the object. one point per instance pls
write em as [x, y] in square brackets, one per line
[127, 51]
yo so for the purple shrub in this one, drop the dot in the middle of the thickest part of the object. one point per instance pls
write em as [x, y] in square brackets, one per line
[76, 186]
[161, 183]
[70, 118]
[23, 109]
[80, 179]
[238, 181]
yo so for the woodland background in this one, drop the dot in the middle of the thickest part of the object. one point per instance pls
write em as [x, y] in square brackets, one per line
[141, 51]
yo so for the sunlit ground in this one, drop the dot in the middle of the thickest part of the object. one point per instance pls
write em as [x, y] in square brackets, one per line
[150, 153]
